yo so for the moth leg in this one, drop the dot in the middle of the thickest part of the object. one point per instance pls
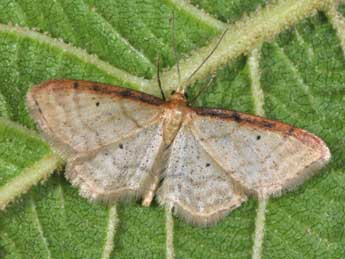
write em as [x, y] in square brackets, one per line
[157, 171]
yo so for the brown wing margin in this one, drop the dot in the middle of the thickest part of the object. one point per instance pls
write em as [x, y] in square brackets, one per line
[272, 178]
[99, 88]
[63, 145]
[245, 119]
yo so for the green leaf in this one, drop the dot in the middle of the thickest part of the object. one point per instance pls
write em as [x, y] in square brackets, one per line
[25, 160]
[285, 62]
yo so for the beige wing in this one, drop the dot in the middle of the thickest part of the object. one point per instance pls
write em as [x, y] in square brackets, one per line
[81, 116]
[121, 170]
[265, 157]
[194, 185]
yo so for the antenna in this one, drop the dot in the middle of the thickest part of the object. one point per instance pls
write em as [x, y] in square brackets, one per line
[173, 36]
[208, 56]
[159, 79]
[179, 88]
[202, 89]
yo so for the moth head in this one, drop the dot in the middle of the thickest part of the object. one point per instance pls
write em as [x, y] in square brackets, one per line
[178, 97]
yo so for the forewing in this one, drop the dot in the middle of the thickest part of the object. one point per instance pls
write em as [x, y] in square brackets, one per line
[81, 116]
[265, 157]
[120, 170]
[194, 185]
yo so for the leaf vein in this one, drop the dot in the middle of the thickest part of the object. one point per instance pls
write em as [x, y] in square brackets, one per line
[199, 14]
[118, 35]
[338, 23]
[298, 77]
[136, 82]
[310, 232]
[39, 226]
[111, 230]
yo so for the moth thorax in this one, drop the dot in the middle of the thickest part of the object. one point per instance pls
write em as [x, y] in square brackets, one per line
[172, 124]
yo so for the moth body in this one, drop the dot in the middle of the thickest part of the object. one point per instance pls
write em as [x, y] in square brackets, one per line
[174, 116]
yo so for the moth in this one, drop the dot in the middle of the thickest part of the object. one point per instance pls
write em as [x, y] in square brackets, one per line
[203, 163]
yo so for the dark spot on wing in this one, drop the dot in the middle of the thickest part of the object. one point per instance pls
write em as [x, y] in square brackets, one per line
[38, 106]
[291, 130]
[167, 147]
[267, 124]
[121, 146]
[161, 181]
[258, 137]
[208, 164]
[248, 120]
[236, 117]
[97, 104]
[126, 92]
[95, 87]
